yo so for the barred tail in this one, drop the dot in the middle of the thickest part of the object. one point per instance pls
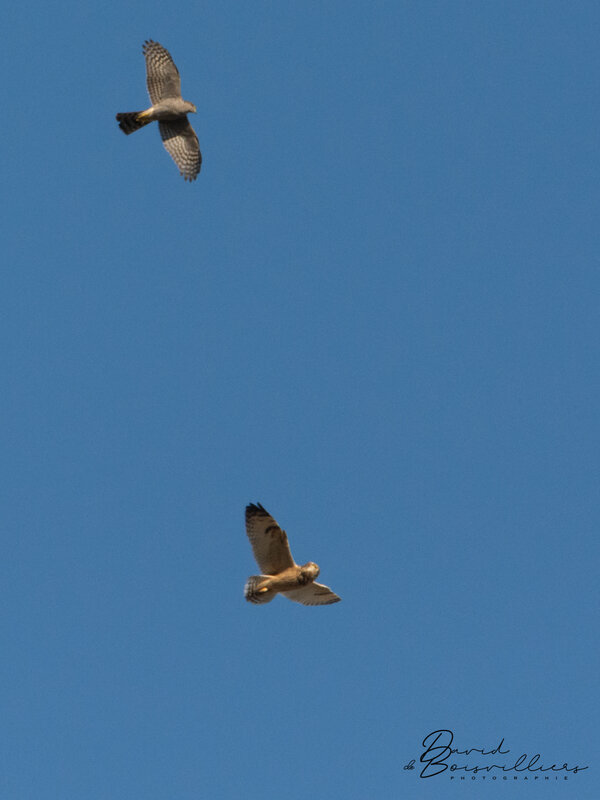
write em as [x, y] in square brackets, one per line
[131, 121]
[257, 590]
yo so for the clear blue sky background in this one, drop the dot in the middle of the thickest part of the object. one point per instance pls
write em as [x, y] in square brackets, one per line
[376, 313]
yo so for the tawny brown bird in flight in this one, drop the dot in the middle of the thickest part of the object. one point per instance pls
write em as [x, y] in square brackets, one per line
[281, 574]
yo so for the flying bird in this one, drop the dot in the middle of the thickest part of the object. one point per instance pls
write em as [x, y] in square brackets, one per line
[169, 108]
[281, 574]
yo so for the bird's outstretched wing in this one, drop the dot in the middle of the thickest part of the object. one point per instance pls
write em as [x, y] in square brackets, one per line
[162, 76]
[313, 594]
[182, 145]
[269, 542]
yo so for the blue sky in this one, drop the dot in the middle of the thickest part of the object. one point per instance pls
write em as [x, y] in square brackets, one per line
[376, 313]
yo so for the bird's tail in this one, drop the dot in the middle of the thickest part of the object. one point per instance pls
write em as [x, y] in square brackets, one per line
[257, 590]
[132, 121]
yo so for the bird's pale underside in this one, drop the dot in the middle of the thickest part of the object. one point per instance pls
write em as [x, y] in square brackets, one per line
[281, 574]
[169, 109]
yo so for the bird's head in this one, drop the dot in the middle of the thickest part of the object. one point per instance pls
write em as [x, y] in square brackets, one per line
[191, 108]
[310, 571]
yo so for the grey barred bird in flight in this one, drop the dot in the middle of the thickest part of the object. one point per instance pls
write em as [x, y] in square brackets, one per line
[169, 108]
[281, 574]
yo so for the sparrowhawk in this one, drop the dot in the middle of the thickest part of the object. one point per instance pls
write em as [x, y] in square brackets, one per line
[169, 108]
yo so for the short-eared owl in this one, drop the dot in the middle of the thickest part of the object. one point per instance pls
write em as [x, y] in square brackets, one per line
[281, 574]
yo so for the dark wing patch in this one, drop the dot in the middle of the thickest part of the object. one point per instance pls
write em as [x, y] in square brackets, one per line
[269, 542]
